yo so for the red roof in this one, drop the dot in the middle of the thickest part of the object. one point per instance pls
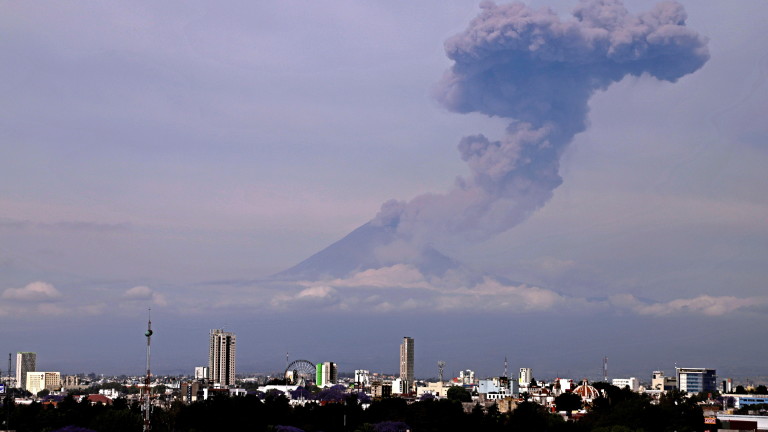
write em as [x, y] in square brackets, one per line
[96, 398]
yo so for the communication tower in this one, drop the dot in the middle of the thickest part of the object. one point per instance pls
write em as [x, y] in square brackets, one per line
[440, 367]
[146, 392]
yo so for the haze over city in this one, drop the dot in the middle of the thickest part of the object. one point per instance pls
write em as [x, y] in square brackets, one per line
[324, 178]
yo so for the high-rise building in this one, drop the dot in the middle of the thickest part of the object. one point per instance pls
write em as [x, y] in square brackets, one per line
[221, 357]
[25, 362]
[362, 377]
[326, 373]
[406, 361]
[525, 377]
[696, 380]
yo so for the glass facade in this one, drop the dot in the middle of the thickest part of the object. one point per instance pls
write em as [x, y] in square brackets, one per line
[696, 380]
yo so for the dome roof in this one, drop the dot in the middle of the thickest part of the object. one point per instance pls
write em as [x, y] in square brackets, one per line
[586, 391]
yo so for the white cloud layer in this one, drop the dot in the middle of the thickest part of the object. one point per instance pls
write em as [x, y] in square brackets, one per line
[403, 287]
[145, 293]
[42, 299]
[33, 292]
[701, 305]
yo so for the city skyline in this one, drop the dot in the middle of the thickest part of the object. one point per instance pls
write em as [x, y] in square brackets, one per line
[178, 156]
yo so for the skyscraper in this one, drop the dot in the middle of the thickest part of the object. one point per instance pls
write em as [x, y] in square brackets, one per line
[525, 377]
[221, 357]
[326, 373]
[25, 362]
[406, 361]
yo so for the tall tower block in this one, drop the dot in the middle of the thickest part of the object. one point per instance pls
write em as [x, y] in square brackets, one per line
[25, 362]
[406, 360]
[221, 357]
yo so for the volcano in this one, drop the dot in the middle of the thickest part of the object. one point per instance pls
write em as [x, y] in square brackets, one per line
[370, 246]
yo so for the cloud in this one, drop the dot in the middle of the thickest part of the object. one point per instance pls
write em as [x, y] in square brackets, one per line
[396, 276]
[404, 287]
[33, 292]
[145, 293]
[316, 296]
[73, 227]
[43, 299]
[538, 72]
[317, 292]
[701, 305]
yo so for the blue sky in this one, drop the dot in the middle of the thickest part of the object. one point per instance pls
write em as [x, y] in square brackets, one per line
[174, 155]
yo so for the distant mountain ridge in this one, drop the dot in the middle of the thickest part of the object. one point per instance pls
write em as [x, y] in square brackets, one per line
[361, 250]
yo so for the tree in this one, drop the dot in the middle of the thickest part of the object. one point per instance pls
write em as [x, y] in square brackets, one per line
[390, 426]
[458, 393]
[568, 402]
[530, 416]
[740, 389]
[761, 389]
[43, 393]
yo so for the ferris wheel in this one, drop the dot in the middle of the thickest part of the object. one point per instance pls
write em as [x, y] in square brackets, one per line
[300, 372]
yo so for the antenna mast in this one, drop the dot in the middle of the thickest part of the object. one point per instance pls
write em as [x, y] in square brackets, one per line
[8, 401]
[440, 367]
[605, 369]
[146, 406]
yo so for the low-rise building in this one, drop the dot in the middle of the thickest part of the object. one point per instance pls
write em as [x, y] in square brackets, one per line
[630, 382]
[497, 388]
[436, 389]
[381, 389]
[661, 382]
[744, 400]
[38, 381]
[696, 380]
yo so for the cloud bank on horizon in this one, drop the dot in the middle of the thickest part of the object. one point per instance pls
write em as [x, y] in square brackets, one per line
[529, 66]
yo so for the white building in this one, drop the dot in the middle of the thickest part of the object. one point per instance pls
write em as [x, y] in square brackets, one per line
[201, 372]
[497, 388]
[362, 377]
[467, 377]
[525, 377]
[399, 386]
[631, 382]
[38, 381]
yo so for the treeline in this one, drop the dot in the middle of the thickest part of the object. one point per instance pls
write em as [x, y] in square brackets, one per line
[619, 411]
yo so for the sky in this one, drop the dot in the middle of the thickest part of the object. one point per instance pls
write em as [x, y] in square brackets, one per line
[176, 155]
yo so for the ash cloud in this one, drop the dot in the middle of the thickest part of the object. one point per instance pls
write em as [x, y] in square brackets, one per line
[538, 71]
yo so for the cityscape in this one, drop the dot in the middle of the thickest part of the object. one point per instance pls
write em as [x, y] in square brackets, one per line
[722, 404]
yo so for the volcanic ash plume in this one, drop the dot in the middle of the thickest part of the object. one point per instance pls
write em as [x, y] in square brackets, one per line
[539, 71]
